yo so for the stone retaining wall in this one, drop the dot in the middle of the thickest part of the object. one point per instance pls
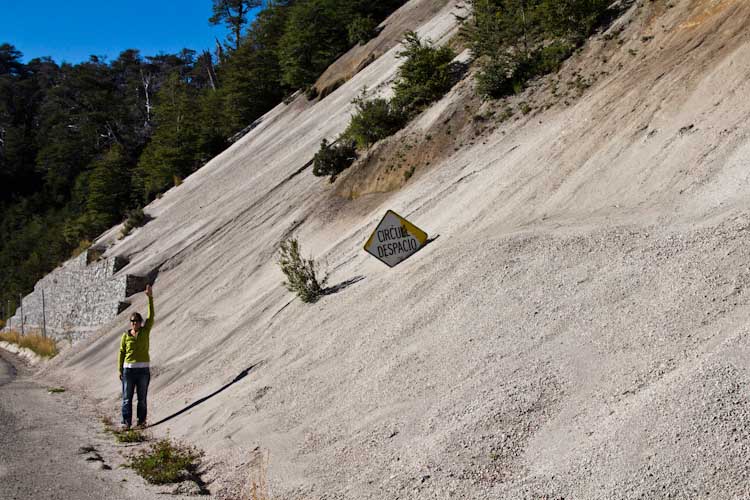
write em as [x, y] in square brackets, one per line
[79, 296]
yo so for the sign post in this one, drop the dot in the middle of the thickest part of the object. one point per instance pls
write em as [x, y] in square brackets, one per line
[395, 239]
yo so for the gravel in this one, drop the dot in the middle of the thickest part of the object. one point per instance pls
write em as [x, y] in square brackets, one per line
[52, 447]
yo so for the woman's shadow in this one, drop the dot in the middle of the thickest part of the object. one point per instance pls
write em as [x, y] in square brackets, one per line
[195, 403]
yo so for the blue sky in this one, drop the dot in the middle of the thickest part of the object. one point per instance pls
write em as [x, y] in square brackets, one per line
[75, 29]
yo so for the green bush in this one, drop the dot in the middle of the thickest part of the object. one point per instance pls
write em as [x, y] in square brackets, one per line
[135, 218]
[496, 77]
[549, 58]
[332, 159]
[166, 462]
[301, 273]
[374, 120]
[518, 41]
[361, 30]
[425, 75]
[502, 74]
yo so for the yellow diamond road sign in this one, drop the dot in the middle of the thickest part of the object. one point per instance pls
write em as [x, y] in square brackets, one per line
[395, 239]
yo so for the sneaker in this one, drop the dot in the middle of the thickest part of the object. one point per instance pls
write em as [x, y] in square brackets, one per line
[141, 425]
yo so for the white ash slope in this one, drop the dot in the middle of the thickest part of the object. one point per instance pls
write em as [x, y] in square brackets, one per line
[578, 329]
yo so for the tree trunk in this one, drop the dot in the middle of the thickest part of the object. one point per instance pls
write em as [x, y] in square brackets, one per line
[238, 26]
[210, 69]
[146, 79]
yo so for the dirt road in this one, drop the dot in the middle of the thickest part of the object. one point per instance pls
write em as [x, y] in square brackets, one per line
[51, 447]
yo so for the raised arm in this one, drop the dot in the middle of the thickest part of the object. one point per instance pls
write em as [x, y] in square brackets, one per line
[150, 314]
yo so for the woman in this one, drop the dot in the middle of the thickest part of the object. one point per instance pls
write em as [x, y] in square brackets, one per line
[134, 364]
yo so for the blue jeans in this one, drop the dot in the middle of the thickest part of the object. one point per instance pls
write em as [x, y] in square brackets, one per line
[134, 380]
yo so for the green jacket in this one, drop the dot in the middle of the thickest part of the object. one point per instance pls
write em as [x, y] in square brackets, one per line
[135, 349]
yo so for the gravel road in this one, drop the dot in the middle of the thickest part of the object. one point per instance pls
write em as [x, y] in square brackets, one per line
[52, 447]
[7, 372]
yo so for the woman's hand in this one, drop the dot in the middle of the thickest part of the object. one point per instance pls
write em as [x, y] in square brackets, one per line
[149, 292]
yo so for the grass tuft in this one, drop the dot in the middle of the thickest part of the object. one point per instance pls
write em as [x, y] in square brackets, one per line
[109, 425]
[133, 435]
[43, 346]
[166, 462]
[130, 436]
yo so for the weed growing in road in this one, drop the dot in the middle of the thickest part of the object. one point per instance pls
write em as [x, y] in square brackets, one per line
[301, 273]
[134, 435]
[130, 436]
[43, 346]
[56, 390]
[166, 462]
[109, 426]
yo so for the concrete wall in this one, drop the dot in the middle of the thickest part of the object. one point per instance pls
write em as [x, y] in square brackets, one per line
[79, 296]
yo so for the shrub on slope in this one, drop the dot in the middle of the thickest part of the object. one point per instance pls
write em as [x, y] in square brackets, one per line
[426, 74]
[517, 41]
[301, 274]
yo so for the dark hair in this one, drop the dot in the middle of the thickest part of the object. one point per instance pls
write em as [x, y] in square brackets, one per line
[136, 317]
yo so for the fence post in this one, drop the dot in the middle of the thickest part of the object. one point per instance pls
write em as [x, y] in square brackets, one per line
[44, 317]
[20, 300]
[10, 318]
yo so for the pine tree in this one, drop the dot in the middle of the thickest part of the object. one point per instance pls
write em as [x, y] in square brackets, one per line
[233, 13]
[172, 152]
[109, 188]
[21, 93]
[516, 40]
[315, 35]
[424, 76]
[317, 32]
[251, 78]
